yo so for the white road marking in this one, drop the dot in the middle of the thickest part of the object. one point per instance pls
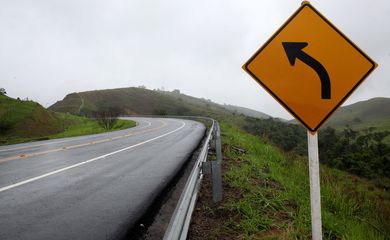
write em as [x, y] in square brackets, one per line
[88, 161]
[68, 140]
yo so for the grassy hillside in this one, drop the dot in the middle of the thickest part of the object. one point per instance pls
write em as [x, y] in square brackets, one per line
[371, 113]
[365, 153]
[266, 196]
[147, 102]
[26, 118]
[22, 121]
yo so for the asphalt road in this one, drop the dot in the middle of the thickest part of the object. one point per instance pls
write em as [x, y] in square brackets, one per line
[90, 187]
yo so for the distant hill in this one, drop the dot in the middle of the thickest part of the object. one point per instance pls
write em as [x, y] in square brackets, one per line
[374, 112]
[246, 111]
[146, 102]
[26, 119]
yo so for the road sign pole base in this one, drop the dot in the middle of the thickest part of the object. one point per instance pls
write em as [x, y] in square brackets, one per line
[315, 196]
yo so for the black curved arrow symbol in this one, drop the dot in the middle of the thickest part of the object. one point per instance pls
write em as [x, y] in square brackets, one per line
[294, 50]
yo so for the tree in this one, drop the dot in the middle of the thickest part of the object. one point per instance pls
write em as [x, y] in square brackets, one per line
[328, 139]
[107, 117]
[2, 91]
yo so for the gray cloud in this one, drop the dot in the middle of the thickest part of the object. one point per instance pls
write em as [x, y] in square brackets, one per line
[51, 48]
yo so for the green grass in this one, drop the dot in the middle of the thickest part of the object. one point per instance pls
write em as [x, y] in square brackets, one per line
[275, 195]
[25, 119]
[19, 109]
[84, 126]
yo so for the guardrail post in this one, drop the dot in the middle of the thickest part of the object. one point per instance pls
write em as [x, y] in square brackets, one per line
[216, 166]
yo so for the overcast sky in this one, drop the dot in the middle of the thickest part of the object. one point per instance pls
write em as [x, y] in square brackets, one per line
[50, 48]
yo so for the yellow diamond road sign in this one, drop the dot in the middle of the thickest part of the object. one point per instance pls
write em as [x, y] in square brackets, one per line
[310, 67]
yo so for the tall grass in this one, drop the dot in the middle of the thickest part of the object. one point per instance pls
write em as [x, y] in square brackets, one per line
[276, 195]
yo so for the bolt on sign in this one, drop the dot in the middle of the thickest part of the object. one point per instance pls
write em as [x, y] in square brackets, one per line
[310, 67]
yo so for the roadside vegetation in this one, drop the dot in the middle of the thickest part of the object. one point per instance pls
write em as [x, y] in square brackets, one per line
[364, 152]
[267, 197]
[78, 126]
[107, 118]
[25, 120]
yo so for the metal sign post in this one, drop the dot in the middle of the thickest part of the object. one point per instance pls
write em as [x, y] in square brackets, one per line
[315, 195]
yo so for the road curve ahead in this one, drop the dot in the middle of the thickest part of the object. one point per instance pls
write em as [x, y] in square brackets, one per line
[90, 187]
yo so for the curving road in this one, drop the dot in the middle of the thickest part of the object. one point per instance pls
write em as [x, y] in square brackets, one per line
[90, 187]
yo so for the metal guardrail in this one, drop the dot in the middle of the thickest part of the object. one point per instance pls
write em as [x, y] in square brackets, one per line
[180, 221]
[181, 217]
